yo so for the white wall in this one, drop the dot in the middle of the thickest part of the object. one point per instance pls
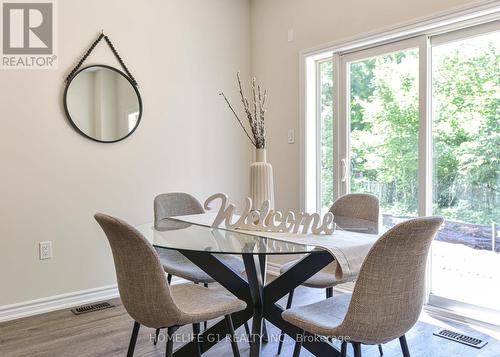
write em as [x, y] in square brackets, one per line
[52, 180]
[275, 61]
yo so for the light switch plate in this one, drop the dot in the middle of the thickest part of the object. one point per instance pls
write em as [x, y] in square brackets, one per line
[45, 250]
[290, 35]
[291, 136]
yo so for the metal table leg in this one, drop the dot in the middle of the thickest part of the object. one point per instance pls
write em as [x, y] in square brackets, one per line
[263, 270]
[261, 298]
[256, 284]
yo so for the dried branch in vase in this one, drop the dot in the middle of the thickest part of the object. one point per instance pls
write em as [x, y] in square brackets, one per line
[255, 118]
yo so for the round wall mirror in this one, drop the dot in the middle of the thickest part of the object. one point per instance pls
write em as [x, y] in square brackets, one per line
[102, 103]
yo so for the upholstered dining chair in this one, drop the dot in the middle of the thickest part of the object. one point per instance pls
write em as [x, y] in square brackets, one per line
[147, 297]
[387, 297]
[357, 212]
[173, 204]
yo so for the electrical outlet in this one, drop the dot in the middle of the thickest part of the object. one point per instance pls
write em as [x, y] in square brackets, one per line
[291, 136]
[45, 249]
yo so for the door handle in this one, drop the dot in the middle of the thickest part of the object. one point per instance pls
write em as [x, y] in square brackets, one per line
[344, 170]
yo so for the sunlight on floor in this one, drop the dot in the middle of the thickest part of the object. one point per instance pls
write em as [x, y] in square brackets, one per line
[465, 274]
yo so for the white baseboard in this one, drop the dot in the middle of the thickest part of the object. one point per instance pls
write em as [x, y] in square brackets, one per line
[63, 301]
[69, 300]
[57, 302]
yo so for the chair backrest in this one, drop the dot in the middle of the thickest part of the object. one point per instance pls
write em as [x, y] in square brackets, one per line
[175, 204]
[142, 284]
[357, 212]
[389, 292]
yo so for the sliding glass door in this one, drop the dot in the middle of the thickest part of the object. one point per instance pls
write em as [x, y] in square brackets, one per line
[382, 126]
[466, 178]
[416, 122]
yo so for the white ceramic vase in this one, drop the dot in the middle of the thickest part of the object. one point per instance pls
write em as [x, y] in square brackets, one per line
[261, 181]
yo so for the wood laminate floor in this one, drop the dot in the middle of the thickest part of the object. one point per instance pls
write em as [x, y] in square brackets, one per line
[107, 332]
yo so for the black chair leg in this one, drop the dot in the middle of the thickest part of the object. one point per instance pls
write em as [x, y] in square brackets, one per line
[357, 349]
[157, 333]
[329, 292]
[404, 346]
[169, 351]
[196, 337]
[380, 350]
[265, 335]
[343, 349]
[133, 339]
[205, 323]
[247, 331]
[282, 334]
[298, 343]
[247, 328]
[232, 336]
[169, 278]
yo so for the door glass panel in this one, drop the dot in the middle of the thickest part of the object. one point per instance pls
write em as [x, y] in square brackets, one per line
[466, 141]
[326, 133]
[384, 122]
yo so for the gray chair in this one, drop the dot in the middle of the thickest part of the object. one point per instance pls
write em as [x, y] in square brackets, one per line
[173, 204]
[357, 212]
[147, 297]
[388, 295]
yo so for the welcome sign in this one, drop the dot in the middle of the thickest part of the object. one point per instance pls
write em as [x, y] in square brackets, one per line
[265, 220]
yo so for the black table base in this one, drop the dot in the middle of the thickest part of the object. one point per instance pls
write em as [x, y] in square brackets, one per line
[261, 299]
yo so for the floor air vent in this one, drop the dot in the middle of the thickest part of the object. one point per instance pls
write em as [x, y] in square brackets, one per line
[91, 308]
[458, 337]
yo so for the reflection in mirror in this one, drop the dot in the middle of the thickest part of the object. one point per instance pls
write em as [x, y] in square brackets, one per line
[103, 104]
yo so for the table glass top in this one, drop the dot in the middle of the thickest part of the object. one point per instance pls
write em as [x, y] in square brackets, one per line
[177, 235]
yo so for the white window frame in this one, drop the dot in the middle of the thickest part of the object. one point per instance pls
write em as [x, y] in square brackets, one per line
[310, 131]
[441, 23]
[420, 43]
[468, 21]
[466, 312]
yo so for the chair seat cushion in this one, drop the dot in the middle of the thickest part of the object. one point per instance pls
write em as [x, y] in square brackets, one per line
[177, 264]
[322, 279]
[200, 304]
[321, 318]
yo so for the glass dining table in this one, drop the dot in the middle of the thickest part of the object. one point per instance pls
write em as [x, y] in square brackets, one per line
[204, 246]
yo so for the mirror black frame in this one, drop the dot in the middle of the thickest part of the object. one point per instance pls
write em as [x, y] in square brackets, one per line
[73, 124]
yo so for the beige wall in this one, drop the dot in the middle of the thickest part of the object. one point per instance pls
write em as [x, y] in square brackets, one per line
[52, 180]
[275, 61]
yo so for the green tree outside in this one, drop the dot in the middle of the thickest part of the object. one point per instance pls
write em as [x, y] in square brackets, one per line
[384, 130]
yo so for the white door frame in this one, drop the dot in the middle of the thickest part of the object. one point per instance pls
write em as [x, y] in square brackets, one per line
[343, 124]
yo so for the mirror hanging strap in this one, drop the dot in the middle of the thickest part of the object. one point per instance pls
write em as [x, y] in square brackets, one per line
[113, 49]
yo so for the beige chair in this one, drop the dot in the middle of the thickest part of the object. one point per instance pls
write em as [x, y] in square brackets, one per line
[388, 295]
[357, 212]
[147, 297]
[174, 204]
